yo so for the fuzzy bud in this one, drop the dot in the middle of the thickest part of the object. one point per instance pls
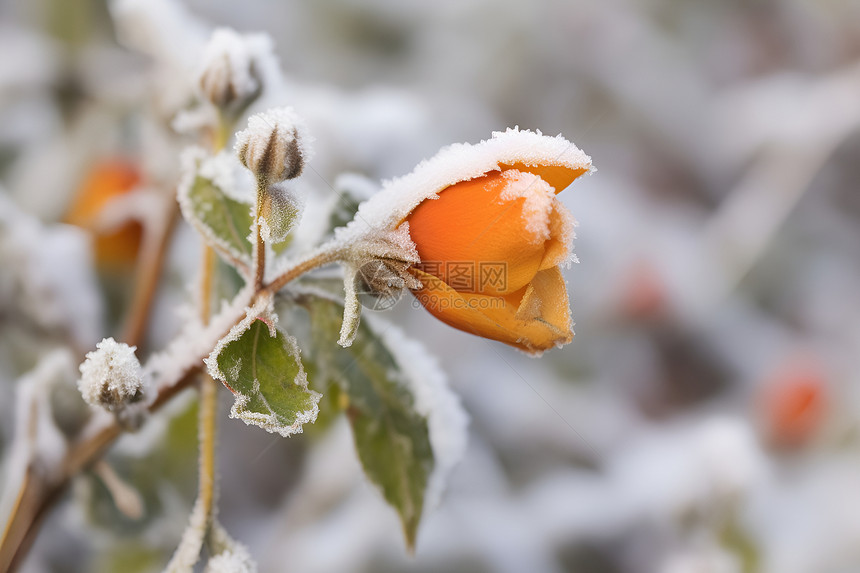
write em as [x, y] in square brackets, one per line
[111, 376]
[274, 146]
[229, 74]
[279, 211]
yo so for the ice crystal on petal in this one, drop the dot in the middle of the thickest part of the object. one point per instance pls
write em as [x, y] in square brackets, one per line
[460, 162]
[538, 195]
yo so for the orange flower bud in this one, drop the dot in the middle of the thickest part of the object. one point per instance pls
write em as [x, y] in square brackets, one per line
[487, 235]
[105, 182]
[490, 251]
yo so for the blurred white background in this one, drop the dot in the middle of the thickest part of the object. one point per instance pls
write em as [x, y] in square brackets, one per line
[704, 419]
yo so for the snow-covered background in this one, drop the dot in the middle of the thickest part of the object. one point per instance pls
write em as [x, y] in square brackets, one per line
[705, 417]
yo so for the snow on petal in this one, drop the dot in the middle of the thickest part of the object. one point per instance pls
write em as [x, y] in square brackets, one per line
[461, 162]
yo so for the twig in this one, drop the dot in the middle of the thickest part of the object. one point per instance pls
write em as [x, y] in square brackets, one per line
[43, 489]
[322, 256]
[40, 490]
[202, 516]
[147, 275]
[260, 246]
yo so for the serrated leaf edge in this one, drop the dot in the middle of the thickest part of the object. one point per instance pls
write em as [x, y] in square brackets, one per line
[263, 309]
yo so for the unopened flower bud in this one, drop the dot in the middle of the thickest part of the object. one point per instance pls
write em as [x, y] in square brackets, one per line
[111, 376]
[229, 75]
[274, 146]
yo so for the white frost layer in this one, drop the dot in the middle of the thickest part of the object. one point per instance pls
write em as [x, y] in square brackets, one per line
[263, 310]
[229, 62]
[282, 206]
[269, 137]
[460, 162]
[237, 560]
[539, 196]
[194, 343]
[111, 375]
[225, 173]
[447, 421]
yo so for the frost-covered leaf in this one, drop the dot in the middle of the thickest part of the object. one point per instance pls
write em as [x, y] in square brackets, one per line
[261, 366]
[351, 310]
[222, 220]
[392, 438]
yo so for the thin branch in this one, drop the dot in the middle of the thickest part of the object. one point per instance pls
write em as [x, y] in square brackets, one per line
[41, 490]
[323, 256]
[260, 245]
[147, 275]
[188, 551]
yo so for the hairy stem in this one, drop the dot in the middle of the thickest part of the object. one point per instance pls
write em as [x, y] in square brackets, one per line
[260, 245]
[323, 256]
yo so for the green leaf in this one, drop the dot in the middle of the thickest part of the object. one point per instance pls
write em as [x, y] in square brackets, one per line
[391, 438]
[221, 219]
[261, 366]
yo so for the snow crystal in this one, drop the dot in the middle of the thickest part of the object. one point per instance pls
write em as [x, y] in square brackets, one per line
[539, 196]
[275, 145]
[111, 375]
[446, 419]
[460, 162]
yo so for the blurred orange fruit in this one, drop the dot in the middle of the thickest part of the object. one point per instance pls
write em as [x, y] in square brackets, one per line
[106, 181]
[794, 405]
